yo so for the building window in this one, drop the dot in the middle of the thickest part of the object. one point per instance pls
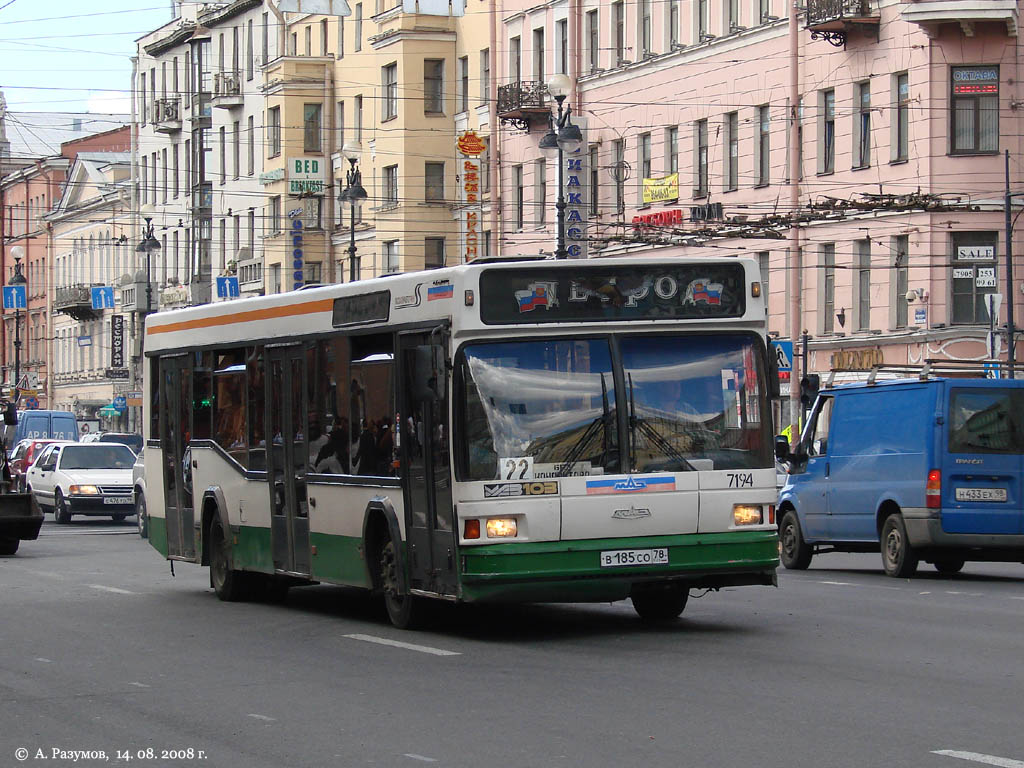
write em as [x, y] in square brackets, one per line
[274, 131]
[249, 53]
[764, 10]
[434, 189]
[702, 20]
[595, 189]
[619, 173]
[645, 27]
[433, 82]
[974, 275]
[619, 29]
[700, 152]
[673, 24]
[175, 183]
[515, 59]
[389, 256]
[517, 181]
[828, 293]
[311, 120]
[390, 185]
[827, 154]
[538, 56]
[900, 280]
[236, 149]
[732, 150]
[975, 104]
[764, 127]
[266, 38]
[862, 125]
[389, 80]
[485, 74]
[308, 40]
[275, 214]
[323, 39]
[433, 252]
[562, 52]
[540, 191]
[764, 265]
[902, 138]
[863, 285]
[341, 37]
[485, 168]
[357, 43]
[223, 156]
[644, 158]
[252, 147]
[672, 150]
[593, 41]
[463, 84]
[732, 16]
[358, 127]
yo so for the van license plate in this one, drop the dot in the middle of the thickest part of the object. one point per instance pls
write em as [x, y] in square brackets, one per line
[625, 557]
[981, 494]
[117, 499]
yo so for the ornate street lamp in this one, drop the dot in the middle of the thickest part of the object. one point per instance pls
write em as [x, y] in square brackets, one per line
[567, 139]
[354, 193]
[148, 245]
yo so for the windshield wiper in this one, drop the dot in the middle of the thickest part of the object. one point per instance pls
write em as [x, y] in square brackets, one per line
[638, 423]
[600, 423]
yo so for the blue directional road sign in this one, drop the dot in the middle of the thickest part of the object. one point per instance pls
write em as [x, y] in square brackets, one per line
[15, 297]
[103, 297]
[227, 288]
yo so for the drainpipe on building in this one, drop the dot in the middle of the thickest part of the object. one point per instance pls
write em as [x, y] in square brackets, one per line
[575, 23]
[796, 260]
[134, 328]
[329, 196]
[494, 167]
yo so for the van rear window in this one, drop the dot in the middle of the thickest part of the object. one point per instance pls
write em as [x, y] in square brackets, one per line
[986, 421]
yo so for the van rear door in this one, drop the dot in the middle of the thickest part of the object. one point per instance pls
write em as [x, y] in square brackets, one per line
[983, 463]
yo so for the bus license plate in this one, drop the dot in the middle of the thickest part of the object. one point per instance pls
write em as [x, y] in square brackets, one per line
[624, 557]
[981, 494]
[117, 499]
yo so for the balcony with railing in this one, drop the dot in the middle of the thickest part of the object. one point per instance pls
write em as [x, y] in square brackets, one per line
[931, 14]
[227, 90]
[167, 115]
[75, 301]
[832, 20]
[523, 103]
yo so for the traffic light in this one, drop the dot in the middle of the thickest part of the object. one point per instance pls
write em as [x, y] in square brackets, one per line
[809, 385]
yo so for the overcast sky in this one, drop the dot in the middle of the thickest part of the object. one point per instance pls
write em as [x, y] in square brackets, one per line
[72, 55]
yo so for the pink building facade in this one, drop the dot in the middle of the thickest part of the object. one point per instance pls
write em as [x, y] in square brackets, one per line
[897, 117]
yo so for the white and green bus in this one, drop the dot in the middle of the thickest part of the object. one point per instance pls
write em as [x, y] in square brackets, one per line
[530, 430]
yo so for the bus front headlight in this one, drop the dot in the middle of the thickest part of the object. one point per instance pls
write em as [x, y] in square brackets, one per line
[501, 527]
[746, 514]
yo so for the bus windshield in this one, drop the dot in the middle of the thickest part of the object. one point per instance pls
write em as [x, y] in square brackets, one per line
[550, 407]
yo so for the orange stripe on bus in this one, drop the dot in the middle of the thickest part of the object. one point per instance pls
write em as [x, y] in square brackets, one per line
[307, 308]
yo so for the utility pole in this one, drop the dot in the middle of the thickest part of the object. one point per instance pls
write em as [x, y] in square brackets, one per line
[1011, 332]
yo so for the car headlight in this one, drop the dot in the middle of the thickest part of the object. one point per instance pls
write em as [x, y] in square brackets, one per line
[83, 490]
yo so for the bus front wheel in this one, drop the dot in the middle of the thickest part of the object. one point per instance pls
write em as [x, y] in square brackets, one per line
[404, 611]
[228, 583]
[659, 603]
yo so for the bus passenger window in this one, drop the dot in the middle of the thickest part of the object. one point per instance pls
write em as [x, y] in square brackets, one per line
[332, 455]
[372, 406]
[229, 403]
[257, 433]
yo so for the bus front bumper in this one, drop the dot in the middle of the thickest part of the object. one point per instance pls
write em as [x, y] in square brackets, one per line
[571, 571]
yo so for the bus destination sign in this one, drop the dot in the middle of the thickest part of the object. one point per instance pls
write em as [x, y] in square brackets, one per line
[567, 294]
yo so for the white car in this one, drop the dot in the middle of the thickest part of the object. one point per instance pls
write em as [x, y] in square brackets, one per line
[83, 479]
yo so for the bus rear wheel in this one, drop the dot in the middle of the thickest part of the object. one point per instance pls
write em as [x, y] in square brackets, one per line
[404, 611]
[229, 584]
[660, 603]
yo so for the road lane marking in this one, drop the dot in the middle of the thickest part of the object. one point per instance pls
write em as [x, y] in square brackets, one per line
[1017, 598]
[115, 590]
[138, 685]
[406, 646]
[263, 717]
[839, 583]
[45, 661]
[977, 757]
[419, 757]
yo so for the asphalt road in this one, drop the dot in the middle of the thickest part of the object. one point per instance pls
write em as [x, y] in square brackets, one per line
[102, 649]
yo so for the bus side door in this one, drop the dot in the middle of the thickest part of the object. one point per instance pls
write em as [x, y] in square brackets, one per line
[427, 473]
[176, 431]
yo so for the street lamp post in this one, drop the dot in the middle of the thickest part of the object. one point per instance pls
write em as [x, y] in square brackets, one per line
[17, 253]
[353, 194]
[148, 245]
[568, 138]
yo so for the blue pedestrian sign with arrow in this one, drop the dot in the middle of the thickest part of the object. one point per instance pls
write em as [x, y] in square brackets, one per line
[784, 355]
[15, 297]
[103, 297]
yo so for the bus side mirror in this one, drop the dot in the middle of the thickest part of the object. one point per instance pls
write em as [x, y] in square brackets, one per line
[10, 413]
[428, 379]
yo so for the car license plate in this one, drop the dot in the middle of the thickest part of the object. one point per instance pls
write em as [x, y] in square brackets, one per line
[117, 499]
[618, 558]
[981, 494]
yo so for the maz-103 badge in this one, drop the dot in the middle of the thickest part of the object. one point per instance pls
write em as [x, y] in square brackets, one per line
[537, 295]
[633, 513]
[503, 490]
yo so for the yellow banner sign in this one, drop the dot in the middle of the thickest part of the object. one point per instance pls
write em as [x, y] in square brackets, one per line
[661, 190]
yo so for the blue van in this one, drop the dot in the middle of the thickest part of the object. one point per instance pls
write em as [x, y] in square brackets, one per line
[921, 469]
[43, 425]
